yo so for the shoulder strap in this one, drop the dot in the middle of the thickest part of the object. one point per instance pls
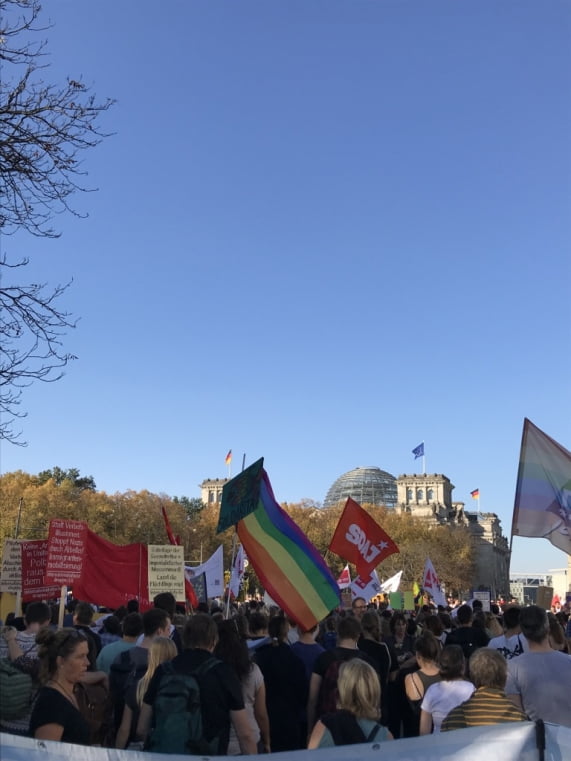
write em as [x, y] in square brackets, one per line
[373, 733]
[413, 681]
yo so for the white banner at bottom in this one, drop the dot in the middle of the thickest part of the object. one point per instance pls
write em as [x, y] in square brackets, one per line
[509, 742]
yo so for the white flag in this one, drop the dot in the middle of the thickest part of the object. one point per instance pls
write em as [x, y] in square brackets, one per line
[431, 584]
[366, 588]
[344, 581]
[392, 584]
[237, 572]
[213, 568]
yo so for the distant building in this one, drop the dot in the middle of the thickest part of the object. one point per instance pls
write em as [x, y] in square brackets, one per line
[429, 496]
[366, 485]
[211, 490]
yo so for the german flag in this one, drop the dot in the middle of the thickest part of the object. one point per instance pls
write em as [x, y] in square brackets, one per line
[475, 494]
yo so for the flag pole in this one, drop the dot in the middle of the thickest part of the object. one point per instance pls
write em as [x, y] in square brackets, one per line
[423, 460]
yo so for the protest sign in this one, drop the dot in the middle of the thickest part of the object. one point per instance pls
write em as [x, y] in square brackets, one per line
[34, 564]
[166, 570]
[66, 551]
[11, 578]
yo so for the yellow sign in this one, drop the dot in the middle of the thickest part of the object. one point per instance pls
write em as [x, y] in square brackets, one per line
[166, 570]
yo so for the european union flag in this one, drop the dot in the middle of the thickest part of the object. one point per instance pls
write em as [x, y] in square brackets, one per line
[418, 451]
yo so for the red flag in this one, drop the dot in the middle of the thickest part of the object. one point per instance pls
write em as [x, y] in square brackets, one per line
[344, 581]
[188, 588]
[360, 540]
[172, 538]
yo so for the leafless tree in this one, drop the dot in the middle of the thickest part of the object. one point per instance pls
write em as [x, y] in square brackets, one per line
[44, 129]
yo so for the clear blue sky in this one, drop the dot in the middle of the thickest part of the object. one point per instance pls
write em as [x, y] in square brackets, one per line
[325, 231]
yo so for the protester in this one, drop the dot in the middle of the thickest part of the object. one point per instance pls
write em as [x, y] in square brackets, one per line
[20, 648]
[511, 643]
[63, 661]
[132, 627]
[488, 704]
[442, 697]
[385, 661]
[82, 620]
[221, 701]
[356, 719]
[258, 628]
[538, 680]
[323, 692]
[401, 640]
[232, 649]
[130, 665]
[162, 649]
[286, 687]
[427, 650]
[359, 606]
[469, 637]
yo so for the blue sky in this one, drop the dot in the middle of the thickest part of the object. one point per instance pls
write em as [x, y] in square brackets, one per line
[325, 231]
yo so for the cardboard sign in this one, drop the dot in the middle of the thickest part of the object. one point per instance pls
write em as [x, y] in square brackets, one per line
[544, 597]
[11, 578]
[66, 551]
[166, 570]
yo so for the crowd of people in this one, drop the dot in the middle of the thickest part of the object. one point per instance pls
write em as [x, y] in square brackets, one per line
[247, 680]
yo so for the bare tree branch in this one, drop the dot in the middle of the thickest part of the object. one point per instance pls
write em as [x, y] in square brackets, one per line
[44, 128]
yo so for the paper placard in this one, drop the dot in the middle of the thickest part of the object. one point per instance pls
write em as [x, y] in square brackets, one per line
[166, 570]
[544, 597]
[11, 578]
[66, 550]
[34, 564]
[396, 601]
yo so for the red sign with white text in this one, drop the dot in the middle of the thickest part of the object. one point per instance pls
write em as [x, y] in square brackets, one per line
[66, 551]
[34, 564]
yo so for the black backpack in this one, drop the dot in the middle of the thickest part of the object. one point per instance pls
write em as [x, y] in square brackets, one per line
[177, 714]
[124, 672]
[345, 729]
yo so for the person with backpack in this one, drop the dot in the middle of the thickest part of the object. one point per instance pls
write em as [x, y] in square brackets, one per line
[469, 637]
[323, 693]
[162, 649]
[130, 665]
[19, 667]
[356, 719]
[192, 700]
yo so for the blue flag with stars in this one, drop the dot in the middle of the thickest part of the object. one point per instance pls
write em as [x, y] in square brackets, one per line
[418, 451]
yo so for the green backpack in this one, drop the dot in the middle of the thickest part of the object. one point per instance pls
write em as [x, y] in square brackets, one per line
[16, 690]
[177, 714]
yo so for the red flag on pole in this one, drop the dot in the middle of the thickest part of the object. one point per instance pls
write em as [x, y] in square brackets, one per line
[360, 540]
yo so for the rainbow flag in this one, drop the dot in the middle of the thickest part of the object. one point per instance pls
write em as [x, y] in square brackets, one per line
[542, 506]
[289, 567]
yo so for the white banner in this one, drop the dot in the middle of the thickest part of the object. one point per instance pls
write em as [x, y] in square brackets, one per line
[392, 584]
[431, 584]
[165, 570]
[237, 571]
[214, 570]
[366, 588]
[508, 742]
[344, 580]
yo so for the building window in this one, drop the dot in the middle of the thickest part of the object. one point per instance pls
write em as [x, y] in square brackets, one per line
[211, 496]
[430, 494]
[409, 495]
[420, 495]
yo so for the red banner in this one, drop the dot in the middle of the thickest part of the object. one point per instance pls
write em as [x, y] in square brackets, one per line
[34, 564]
[360, 540]
[66, 551]
[113, 574]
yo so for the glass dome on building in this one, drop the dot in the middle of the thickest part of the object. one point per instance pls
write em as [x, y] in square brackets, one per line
[367, 485]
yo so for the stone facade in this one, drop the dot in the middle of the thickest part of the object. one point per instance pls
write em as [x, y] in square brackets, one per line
[429, 496]
[211, 490]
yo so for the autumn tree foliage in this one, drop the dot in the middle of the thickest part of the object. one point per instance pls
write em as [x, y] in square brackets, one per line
[28, 503]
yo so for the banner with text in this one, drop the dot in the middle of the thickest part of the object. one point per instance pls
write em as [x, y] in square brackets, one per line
[11, 578]
[34, 564]
[66, 551]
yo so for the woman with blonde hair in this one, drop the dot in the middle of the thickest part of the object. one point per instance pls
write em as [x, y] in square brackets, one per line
[357, 717]
[162, 649]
